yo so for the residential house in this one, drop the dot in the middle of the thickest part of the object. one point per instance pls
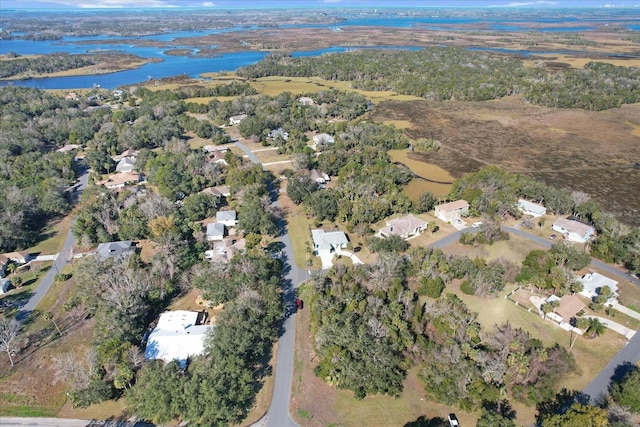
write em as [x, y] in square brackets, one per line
[327, 242]
[451, 211]
[322, 140]
[217, 157]
[228, 218]
[573, 230]
[127, 154]
[570, 306]
[120, 180]
[71, 96]
[178, 336]
[126, 165]
[215, 231]
[7, 258]
[592, 283]
[530, 208]
[225, 250]
[117, 93]
[305, 100]
[236, 120]
[278, 133]
[219, 191]
[69, 147]
[318, 176]
[115, 250]
[215, 148]
[20, 257]
[5, 285]
[404, 227]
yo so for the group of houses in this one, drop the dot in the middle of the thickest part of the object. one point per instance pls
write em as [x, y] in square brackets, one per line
[569, 306]
[124, 173]
[224, 245]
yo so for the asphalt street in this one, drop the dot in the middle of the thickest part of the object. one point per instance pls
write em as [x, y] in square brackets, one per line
[61, 260]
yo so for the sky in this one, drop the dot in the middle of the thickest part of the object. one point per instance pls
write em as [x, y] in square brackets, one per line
[222, 4]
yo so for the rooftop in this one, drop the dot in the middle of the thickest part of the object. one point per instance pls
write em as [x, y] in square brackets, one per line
[177, 336]
[453, 206]
[573, 226]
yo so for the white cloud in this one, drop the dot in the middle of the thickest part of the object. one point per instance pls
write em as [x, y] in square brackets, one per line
[208, 4]
[331, 1]
[112, 3]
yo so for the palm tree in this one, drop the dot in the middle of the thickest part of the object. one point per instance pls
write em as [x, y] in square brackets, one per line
[595, 328]
[48, 316]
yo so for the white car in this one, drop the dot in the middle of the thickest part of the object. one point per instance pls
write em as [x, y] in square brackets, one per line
[477, 224]
[453, 420]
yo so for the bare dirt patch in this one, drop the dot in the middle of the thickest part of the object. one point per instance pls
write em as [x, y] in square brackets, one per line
[594, 152]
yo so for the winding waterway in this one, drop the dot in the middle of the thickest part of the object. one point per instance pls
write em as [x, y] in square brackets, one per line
[194, 66]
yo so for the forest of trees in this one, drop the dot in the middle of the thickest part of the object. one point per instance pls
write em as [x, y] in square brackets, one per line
[447, 73]
[370, 327]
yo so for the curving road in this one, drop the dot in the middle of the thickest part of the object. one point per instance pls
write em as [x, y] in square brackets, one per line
[61, 260]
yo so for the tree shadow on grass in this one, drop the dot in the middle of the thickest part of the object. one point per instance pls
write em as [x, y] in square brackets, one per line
[423, 421]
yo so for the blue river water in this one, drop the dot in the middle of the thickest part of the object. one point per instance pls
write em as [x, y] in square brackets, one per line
[193, 66]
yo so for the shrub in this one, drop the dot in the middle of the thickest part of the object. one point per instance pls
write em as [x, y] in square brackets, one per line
[431, 287]
[467, 288]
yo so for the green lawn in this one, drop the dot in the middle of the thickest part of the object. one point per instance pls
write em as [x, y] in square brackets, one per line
[55, 234]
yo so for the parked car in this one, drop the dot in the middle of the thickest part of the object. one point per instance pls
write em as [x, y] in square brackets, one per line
[553, 237]
[453, 420]
[299, 304]
[477, 224]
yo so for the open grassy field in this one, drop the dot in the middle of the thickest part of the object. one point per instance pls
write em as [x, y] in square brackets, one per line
[54, 236]
[515, 249]
[581, 150]
[430, 177]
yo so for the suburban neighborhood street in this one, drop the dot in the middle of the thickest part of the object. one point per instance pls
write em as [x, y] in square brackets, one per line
[61, 260]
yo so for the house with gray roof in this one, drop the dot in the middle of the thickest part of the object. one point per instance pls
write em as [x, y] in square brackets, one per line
[228, 218]
[215, 231]
[116, 250]
[327, 242]
[530, 208]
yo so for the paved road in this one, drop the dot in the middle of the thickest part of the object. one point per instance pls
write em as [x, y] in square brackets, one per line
[615, 369]
[278, 413]
[61, 260]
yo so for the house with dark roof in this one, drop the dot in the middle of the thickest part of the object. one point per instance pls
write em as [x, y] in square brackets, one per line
[115, 250]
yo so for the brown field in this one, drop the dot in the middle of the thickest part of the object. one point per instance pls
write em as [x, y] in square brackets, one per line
[581, 150]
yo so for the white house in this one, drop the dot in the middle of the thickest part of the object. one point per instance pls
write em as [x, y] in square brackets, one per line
[574, 231]
[327, 242]
[404, 227]
[126, 165]
[305, 100]
[318, 176]
[452, 210]
[279, 133]
[236, 120]
[215, 231]
[322, 139]
[178, 335]
[228, 218]
[530, 208]
[593, 282]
